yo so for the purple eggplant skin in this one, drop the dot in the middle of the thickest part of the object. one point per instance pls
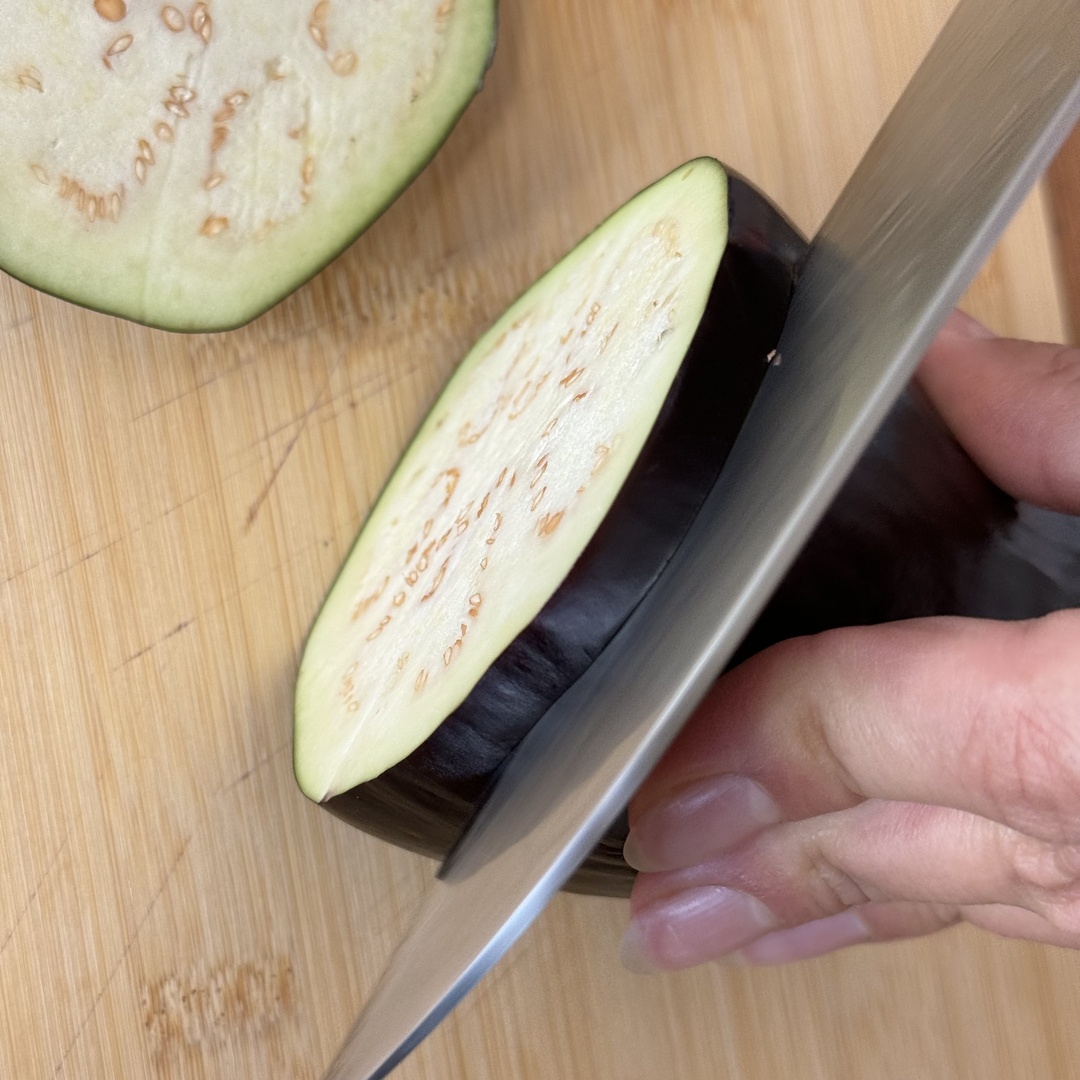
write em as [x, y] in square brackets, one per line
[918, 530]
[424, 802]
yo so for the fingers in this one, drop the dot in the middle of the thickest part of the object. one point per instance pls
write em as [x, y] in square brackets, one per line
[1018, 923]
[881, 922]
[1015, 407]
[864, 784]
[877, 871]
[871, 922]
[701, 818]
[867, 923]
[651, 943]
[873, 783]
[887, 851]
[890, 921]
[976, 716]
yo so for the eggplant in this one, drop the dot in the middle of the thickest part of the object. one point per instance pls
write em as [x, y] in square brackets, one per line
[540, 500]
[188, 165]
[916, 530]
[919, 530]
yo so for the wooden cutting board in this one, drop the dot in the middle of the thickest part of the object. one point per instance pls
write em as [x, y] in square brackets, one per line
[172, 510]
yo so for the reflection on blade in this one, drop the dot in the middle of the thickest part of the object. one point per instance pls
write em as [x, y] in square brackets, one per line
[981, 119]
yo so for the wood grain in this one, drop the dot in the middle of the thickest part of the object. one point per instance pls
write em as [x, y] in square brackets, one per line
[1063, 185]
[172, 510]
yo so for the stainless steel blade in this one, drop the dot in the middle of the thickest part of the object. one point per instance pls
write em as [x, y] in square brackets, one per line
[981, 119]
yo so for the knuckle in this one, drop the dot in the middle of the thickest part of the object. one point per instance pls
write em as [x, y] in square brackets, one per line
[1044, 779]
[1046, 869]
[800, 875]
[1048, 876]
[1030, 766]
[789, 694]
[831, 888]
[1063, 913]
[822, 665]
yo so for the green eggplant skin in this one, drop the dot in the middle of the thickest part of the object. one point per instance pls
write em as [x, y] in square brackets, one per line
[424, 801]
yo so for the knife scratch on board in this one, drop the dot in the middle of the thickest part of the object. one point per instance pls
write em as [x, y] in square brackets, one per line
[178, 629]
[264, 494]
[35, 893]
[124, 953]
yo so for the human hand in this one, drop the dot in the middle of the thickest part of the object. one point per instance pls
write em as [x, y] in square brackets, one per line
[884, 782]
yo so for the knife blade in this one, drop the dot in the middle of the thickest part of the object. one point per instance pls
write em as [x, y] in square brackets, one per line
[981, 119]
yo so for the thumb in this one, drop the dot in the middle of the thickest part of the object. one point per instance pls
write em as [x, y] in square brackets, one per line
[1014, 406]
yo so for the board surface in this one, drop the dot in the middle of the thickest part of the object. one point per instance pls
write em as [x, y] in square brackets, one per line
[172, 510]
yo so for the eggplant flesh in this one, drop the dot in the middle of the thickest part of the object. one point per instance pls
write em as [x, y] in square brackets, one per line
[425, 799]
[503, 486]
[188, 164]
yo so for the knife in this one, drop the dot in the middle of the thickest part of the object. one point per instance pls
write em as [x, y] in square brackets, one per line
[982, 118]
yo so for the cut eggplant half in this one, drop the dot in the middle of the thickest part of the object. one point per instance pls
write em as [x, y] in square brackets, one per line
[187, 165]
[540, 500]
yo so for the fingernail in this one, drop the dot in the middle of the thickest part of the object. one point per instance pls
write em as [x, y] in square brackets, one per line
[702, 819]
[963, 325]
[807, 941]
[692, 927]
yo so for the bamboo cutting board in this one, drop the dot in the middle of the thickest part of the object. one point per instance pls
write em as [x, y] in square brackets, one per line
[172, 510]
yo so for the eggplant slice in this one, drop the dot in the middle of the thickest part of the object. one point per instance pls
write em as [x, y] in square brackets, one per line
[187, 165]
[540, 500]
[916, 530]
